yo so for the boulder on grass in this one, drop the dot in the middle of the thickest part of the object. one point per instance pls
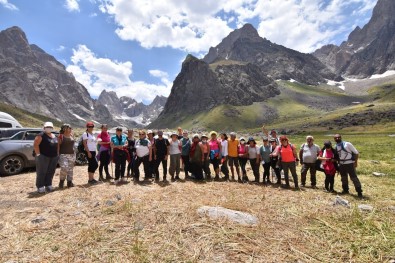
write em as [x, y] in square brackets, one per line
[232, 215]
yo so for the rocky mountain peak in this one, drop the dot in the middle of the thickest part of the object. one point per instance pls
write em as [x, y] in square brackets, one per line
[14, 37]
[369, 50]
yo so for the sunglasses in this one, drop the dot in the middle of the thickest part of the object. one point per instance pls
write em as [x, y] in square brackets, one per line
[90, 127]
[284, 140]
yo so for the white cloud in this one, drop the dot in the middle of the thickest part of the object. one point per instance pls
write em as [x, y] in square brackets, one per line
[194, 26]
[8, 5]
[72, 5]
[98, 74]
[60, 48]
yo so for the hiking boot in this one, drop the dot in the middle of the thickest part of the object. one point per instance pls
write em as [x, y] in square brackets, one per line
[49, 188]
[108, 177]
[41, 190]
[70, 184]
[345, 192]
[360, 195]
[93, 182]
[61, 184]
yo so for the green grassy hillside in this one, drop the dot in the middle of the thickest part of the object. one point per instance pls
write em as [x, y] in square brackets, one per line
[300, 107]
[26, 118]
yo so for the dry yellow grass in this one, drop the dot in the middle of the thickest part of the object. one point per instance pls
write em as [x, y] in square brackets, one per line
[159, 223]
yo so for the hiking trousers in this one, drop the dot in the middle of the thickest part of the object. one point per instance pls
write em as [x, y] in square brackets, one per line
[145, 161]
[187, 164]
[45, 169]
[349, 169]
[175, 160]
[266, 172]
[290, 167]
[313, 172]
[255, 169]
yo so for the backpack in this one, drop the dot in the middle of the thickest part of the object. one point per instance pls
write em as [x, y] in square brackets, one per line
[80, 146]
[344, 149]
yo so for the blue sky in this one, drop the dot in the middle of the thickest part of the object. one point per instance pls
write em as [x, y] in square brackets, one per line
[136, 48]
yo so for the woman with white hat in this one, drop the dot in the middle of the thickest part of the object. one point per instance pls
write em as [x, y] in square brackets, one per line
[46, 151]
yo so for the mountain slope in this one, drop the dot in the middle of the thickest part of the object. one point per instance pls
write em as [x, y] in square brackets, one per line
[274, 60]
[35, 81]
[368, 51]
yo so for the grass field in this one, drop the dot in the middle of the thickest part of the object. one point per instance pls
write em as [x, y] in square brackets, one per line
[159, 222]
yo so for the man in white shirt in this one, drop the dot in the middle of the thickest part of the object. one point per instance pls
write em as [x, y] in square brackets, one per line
[308, 156]
[348, 161]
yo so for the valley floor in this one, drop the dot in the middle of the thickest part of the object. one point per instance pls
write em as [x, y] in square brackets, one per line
[159, 222]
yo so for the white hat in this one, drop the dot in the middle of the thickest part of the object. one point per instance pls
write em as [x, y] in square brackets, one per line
[48, 124]
[149, 131]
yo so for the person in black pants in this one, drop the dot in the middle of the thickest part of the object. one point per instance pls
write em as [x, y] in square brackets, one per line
[119, 145]
[274, 161]
[161, 153]
[143, 155]
[132, 153]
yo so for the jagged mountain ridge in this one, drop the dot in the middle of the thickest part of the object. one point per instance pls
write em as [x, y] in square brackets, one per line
[126, 109]
[274, 60]
[369, 50]
[33, 80]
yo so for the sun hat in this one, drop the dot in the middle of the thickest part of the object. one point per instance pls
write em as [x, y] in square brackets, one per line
[213, 132]
[48, 124]
[242, 139]
[204, 136]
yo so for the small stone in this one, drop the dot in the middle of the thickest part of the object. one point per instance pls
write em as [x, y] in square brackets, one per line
[232, 215]
[38, 220]
[118, 197]
[341, 201]
[392, 208]
[379, 174]
[96, 204]
[110, 203]
[375, 162]
[365, 208]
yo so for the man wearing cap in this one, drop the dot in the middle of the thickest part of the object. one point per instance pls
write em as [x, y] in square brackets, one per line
[90, 142]
[233, 155]
[161, 153]
[119, 144]
[308, 154]
[348, 161]
[46, 153]
[185, 149]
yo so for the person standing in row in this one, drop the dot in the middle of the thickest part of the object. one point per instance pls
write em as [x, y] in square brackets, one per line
[274, 161]
[243, 158]
[46, 153]
[264, 151]
[233, 155]
[143, 156]
[329, 158]
[196, 158]
[89, 141]
[215, 153]
[175, 156]
[66, 155]
[288, 158]
[224, 156]
[308, 156]
[206, 153]
[132, 153]
[185, 149]
[253, 156]
[104, 155]
[348, 162]
[150, 137]
[119, 144]
[161, 153]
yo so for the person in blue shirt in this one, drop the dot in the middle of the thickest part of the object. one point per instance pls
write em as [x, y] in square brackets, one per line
[264, 153]
[119, 143]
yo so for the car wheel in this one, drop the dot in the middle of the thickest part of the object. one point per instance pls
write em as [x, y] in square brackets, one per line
[11, 165]
[81, 158]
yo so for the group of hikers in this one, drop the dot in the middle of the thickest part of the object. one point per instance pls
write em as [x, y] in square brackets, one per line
[194, 154]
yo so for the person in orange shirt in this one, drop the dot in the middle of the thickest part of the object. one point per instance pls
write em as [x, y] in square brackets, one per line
[233, 155]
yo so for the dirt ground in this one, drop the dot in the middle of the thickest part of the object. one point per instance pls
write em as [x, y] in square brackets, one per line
[158, 222]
